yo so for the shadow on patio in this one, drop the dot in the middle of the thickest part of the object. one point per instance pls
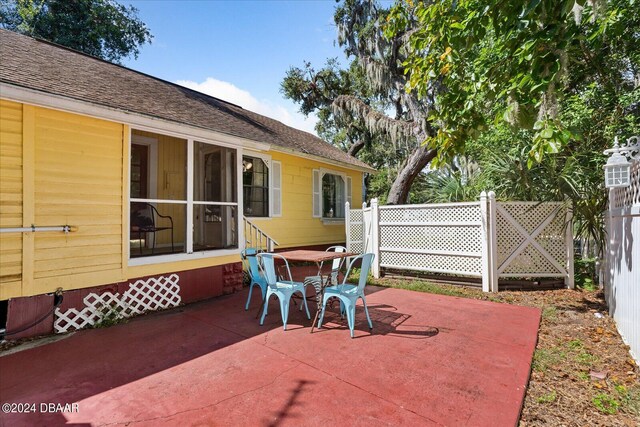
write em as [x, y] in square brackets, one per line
[429, 360]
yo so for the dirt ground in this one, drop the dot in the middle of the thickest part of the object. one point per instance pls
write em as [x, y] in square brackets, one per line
[582, 371]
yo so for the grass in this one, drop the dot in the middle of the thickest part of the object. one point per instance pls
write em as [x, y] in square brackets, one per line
[548, 398]
[550, 313]
[545, 358]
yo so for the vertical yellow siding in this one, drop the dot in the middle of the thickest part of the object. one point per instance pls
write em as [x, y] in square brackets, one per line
[78, 181]
[10, 196]
[297, 227]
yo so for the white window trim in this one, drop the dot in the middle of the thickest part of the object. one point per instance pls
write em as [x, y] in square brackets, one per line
[152, 143]
[272, 189]
[189, 202]
[347, 193]
[267, 159]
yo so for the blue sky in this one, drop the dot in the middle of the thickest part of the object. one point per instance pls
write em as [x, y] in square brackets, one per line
[237, 50]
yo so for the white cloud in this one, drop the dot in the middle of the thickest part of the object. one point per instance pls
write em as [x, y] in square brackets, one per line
[233, 94]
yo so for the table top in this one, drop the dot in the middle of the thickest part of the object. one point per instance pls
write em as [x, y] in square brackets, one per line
[313, 256]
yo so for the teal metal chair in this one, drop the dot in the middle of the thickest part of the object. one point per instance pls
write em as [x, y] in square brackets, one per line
[257, 279]
[283, 289]
[348, 294]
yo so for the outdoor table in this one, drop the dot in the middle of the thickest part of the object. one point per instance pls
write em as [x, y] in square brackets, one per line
[317, 257]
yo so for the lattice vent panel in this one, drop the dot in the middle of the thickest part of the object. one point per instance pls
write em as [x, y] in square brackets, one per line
[508, 238]
[628, 196]
[529, 216]
[470, 266]
[445, 214]
[530, 260]
[151, 294]
[553, 237]
[438, 238]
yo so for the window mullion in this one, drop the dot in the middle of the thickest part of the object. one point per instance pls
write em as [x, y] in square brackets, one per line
[189, 213]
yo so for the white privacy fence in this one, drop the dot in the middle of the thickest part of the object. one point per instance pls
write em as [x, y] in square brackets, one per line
[622, 260]
[485, 239]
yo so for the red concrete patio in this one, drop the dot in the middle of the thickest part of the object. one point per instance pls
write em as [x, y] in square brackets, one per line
[430, 360]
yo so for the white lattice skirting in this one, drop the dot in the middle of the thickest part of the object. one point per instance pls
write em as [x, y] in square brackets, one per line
[144, 295]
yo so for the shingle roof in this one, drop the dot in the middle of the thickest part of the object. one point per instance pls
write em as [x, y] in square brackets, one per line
[43, 66]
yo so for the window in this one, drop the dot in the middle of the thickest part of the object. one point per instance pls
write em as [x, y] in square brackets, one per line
[255, 186]
[183, 196]
[331, 190]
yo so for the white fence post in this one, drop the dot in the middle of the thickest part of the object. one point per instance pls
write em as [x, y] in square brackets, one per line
[347, 226]
[375, 237]
[493, 243]
[484, 237]
[569, 279]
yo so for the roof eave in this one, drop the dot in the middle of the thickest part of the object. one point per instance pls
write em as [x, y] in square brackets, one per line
[321, 159]
[40, 98]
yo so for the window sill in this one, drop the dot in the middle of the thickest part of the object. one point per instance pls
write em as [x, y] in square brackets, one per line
[160, 259]
[333, 221]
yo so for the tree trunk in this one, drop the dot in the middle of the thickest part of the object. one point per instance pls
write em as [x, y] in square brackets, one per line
[417, 161]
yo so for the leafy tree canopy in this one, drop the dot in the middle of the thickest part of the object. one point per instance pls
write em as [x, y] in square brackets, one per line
[102, 28]
[518, 62]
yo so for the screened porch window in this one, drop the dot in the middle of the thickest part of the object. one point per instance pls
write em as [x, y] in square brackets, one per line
[163, 207]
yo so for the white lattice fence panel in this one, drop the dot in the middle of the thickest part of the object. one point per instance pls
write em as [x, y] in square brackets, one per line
[457, 264]
[531, 239]
[624, 197]
[420, 214]
[356, 238]
[143, 295]
[443, 238]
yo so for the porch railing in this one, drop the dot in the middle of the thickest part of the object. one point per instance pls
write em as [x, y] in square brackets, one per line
[256, 238]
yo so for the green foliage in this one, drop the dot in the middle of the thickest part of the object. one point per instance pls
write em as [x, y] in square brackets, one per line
[550, 313]
[521, 62]
[585, 273]
[109, 315]
[548, 398]
[354, 276]
[546, 358]
[432, 288]
[606, 403]
[102, 28]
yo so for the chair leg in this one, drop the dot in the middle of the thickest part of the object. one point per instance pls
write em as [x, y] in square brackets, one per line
[324, 305]
[366, 310]
[246, 307]
[306, 307]
[264, 310]
[284, 309]
[351, 317]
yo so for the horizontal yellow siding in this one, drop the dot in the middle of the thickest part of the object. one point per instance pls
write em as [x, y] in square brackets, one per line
[10, 195]
[297, 227]
[78, 181]
[75, 173]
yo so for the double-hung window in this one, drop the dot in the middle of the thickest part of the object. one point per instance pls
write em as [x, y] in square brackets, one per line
[331, 190]
[261, 186]
[183, 196]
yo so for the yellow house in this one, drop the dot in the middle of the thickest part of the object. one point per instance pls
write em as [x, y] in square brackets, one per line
[109, 176]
